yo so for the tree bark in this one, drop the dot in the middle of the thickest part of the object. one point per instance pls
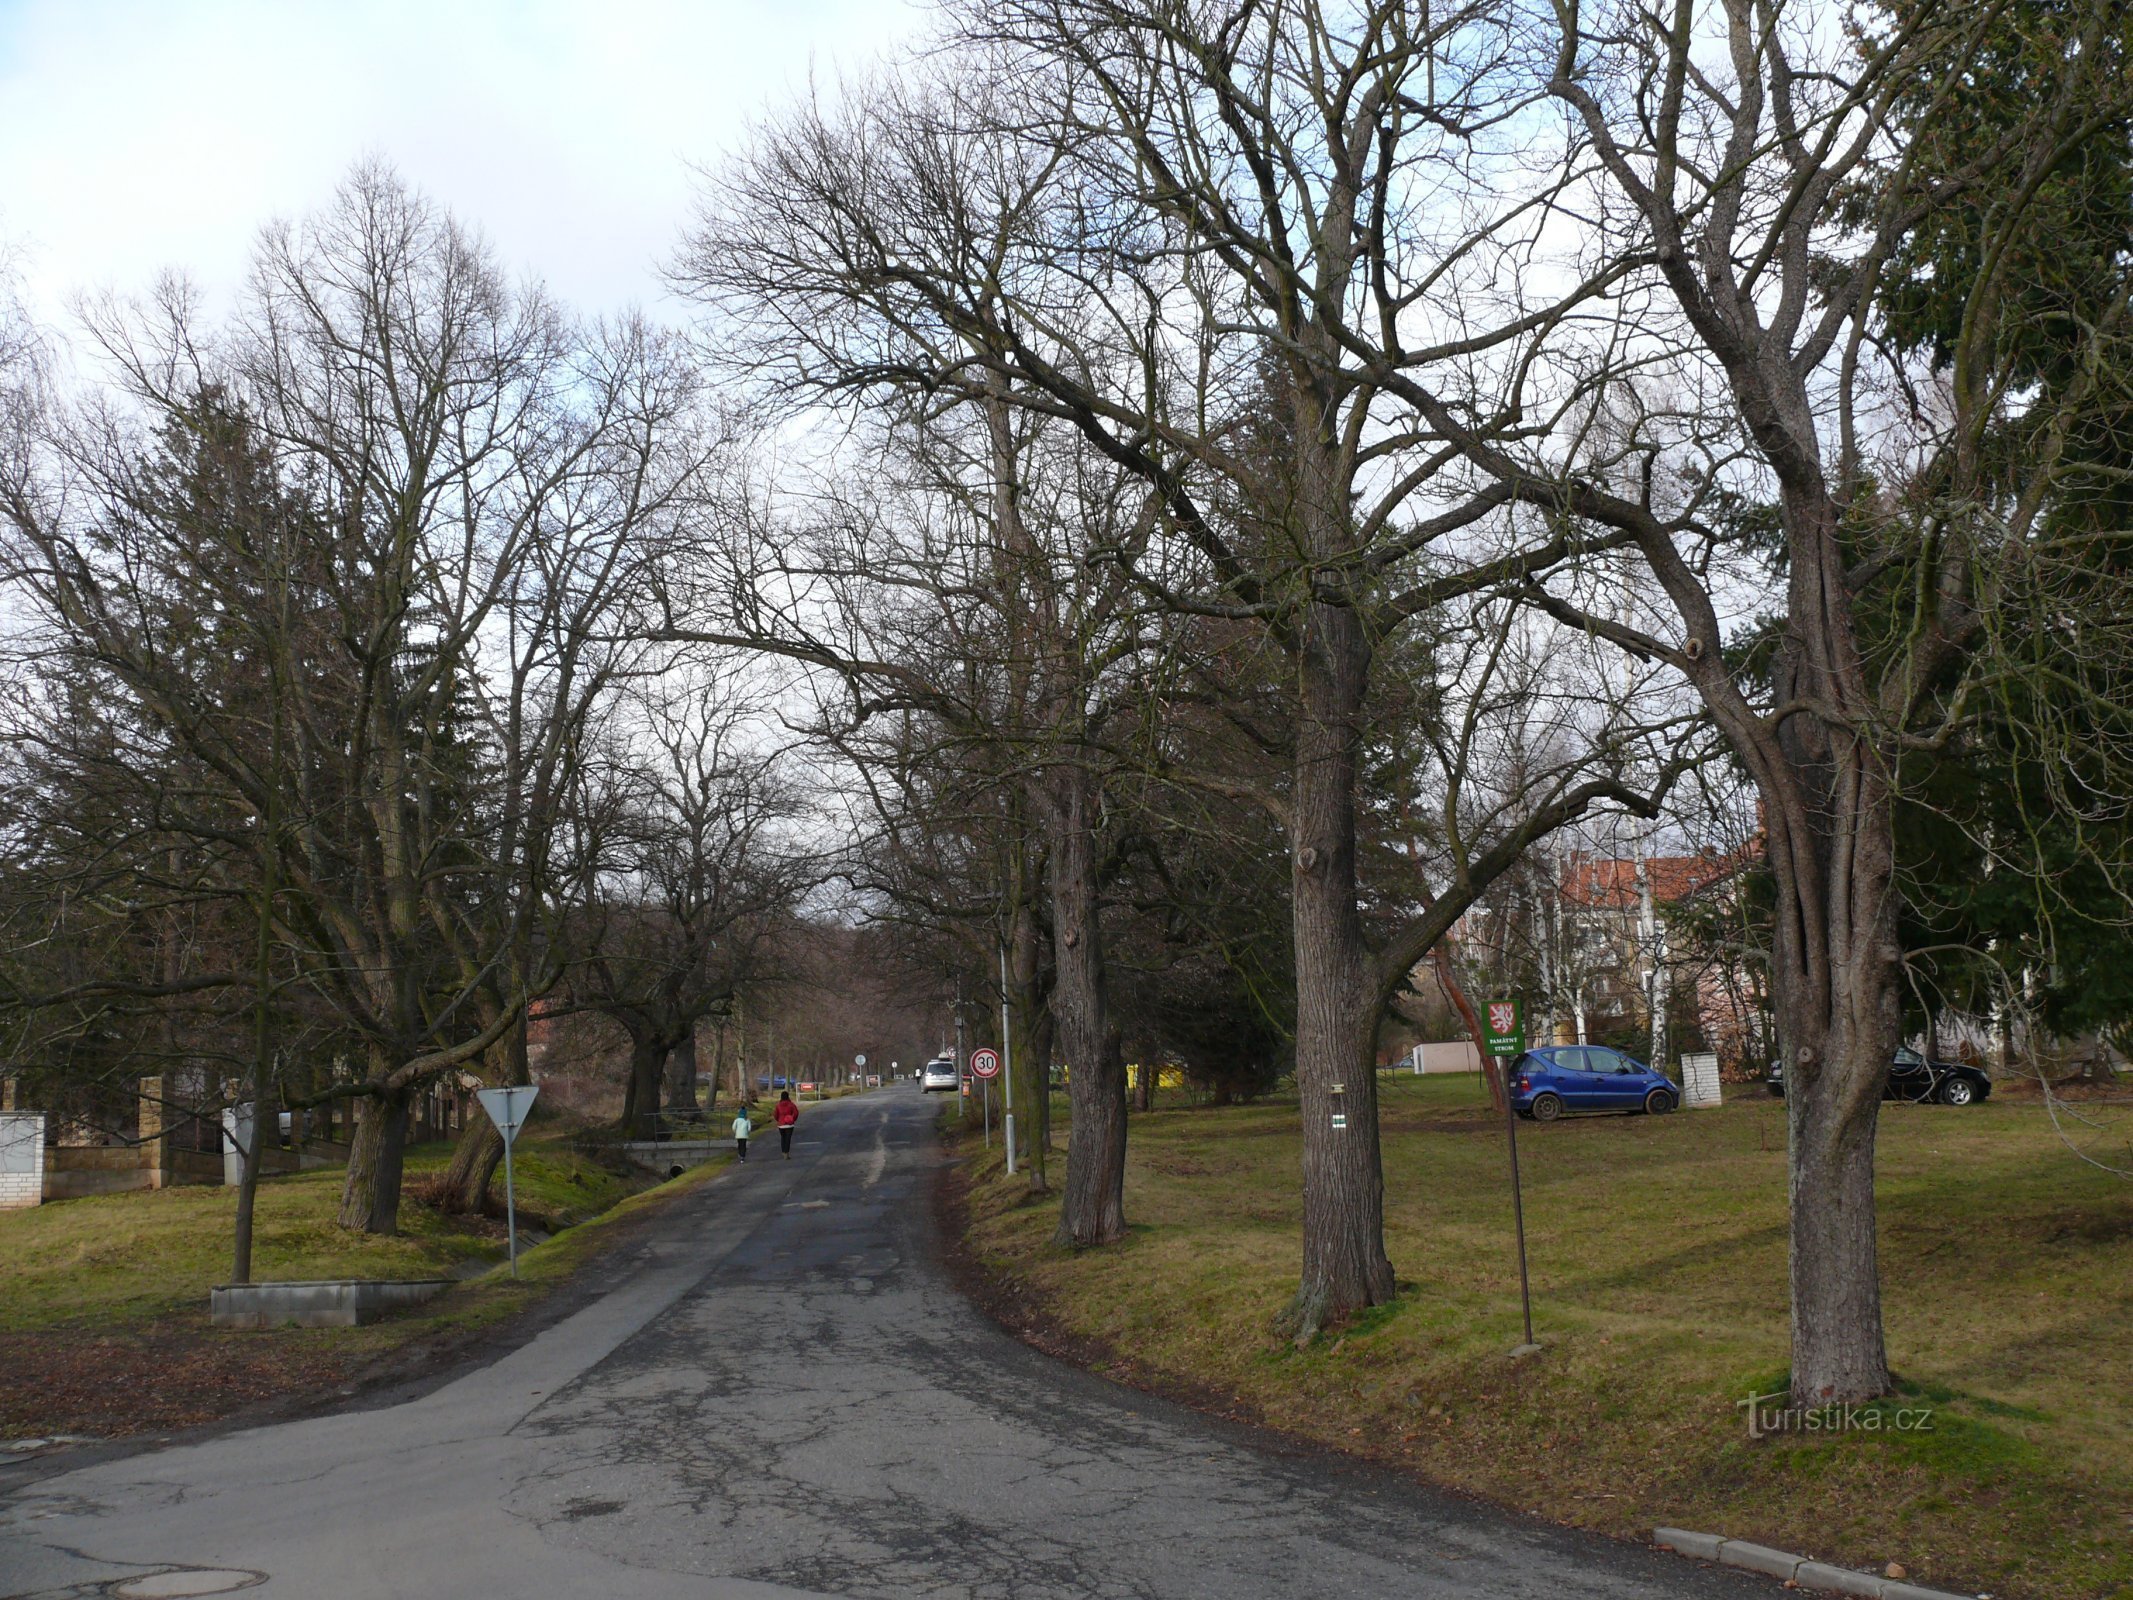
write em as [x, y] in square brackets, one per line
[475, 1158]
[480, 1150]
[681, 1074]
[370, 1194]
[1837, 966]
[640, 1100]
[1033, 1055]
[718, 1065]
[1043, 1034]
[262, 1067]
[1092, 1209]
[1345, 1266]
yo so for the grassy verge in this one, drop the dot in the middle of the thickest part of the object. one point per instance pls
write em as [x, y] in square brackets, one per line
[103, 1302]
[1659, 1279]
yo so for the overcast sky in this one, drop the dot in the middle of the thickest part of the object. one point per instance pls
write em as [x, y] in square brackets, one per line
[142, 134]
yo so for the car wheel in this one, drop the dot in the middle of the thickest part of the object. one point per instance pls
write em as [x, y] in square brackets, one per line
[1658, 1103]
[1958, 1092]
[1546, 1108]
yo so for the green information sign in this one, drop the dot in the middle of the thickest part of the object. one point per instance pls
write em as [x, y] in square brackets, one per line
[1503, 1028]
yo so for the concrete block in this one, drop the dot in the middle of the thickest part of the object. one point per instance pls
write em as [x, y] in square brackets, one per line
[1703, 1546]
[1839, 1580]
[1759, 1558]
[327, 1303]
[658, 1155]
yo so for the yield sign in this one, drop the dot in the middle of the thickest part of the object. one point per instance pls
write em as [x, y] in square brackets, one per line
[985, 1062]
[508, 1108]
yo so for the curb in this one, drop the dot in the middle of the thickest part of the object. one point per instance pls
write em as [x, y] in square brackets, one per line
[1792, 1569]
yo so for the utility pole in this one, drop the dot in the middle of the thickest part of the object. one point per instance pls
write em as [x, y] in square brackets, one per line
[1007, 1055]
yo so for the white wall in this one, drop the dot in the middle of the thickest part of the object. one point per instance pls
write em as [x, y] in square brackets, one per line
[21, 1159]
[1461, 1055]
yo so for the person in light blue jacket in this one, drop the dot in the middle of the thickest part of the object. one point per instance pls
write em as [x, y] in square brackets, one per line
[742, 1127]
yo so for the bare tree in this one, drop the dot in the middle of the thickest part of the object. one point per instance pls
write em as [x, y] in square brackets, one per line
[699, 874]
[1210, 246]
[1756, 169]
[474, 468]
[1007, 509]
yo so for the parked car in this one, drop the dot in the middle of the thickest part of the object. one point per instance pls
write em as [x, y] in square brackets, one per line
[1913, 1077]
[1570, 1078]
[939, 1073]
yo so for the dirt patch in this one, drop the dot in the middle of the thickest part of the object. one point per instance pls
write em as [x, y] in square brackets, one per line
[1481, 1124]
[108, 1388]
[2089, 1227]
[2080, 1091]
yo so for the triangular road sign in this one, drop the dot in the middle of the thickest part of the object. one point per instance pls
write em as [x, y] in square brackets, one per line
[509, 1108]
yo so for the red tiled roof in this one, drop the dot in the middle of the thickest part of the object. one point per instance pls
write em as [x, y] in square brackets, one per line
[1610, 882]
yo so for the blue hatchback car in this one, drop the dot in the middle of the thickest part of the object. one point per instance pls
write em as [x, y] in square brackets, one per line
[1562, 1078]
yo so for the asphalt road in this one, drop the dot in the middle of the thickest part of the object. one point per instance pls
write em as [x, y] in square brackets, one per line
[778, 1396]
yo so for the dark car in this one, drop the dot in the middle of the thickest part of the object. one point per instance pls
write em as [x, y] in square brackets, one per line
[1913, 1077]
[1587, 1077]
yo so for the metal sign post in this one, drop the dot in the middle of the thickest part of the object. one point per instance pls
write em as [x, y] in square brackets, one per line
[508, 1109]
[1504, 1028]
[985, 1066]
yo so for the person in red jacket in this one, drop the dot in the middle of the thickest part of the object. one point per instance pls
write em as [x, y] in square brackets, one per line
[787, 1115]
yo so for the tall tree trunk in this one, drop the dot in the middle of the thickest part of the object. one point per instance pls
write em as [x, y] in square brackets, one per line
[681, 1074]
[370, 1194]
[1033, 1056]
[640, 1100]
[716, 1075]
[480, 1150]
[262, 1062]
[1092, 1209]
[1345, 1266]
[1840, 1014]
[1043, 1034]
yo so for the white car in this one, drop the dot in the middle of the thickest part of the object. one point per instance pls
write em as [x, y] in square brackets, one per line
[939, 1073]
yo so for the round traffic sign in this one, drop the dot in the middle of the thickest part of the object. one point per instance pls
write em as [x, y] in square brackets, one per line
[985, 1062]
[859, 1061]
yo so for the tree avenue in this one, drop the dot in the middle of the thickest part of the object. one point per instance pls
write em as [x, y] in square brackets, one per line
[1169, 517]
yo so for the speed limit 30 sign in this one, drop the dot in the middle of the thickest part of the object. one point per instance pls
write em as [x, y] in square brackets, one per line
[985, 1062]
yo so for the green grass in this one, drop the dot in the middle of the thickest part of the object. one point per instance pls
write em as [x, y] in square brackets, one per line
[104, 1326]
[1658, 1255]
[118, 1262]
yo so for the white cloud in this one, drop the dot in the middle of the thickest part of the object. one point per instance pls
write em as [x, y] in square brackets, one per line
[137, 135]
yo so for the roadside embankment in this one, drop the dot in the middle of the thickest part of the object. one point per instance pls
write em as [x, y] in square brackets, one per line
[1658, 1250]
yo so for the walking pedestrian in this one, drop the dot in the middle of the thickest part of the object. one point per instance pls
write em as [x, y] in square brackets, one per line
[742, 1127]
[787, 1114]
